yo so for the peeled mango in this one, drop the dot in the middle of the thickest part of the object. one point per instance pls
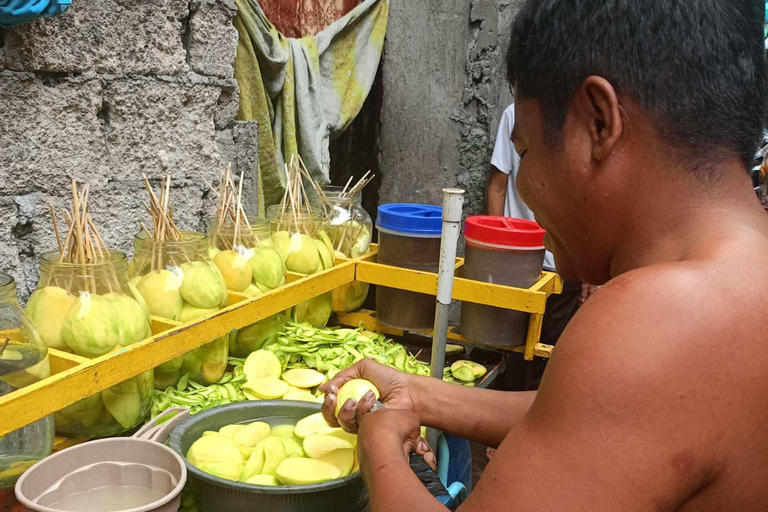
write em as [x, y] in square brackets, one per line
[302, 471]
[282, 241]
[267, 388]
[319, 445]
[262, 364]
[123, 402]
[190, 312]
[90, 329]
[274, 454]
[354, 389]
[303, 256]
[350, 296]
[255, 336]
[130, 318]
[252, 291]
[217, 455]
[47, 308]
[255, 462]
[316, 311]
[325, 255]
[312, 424]
[467, 371]
[203, 285]
[263, 480]
[267, 267]
[235, 268]
[161, 292]
[344, 459]
[251, 434]
[87, 411]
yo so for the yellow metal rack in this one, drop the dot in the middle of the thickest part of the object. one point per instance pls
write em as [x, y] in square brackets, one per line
[75, 378]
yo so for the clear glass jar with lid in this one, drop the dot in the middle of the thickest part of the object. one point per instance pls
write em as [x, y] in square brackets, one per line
[349, 229]
[23, 361]
[253, 266]
[178, 281]
[90, 309]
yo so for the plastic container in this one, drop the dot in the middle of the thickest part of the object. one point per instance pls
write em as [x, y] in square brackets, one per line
[505, 251]
[90, 309]
[23, 361]
[268, 271]
[178, 281]
[134, 474]
[214, 494]
[349, 229]
[409, 237]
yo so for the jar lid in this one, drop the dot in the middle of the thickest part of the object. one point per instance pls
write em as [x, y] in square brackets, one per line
[504, 231]
[411, 218]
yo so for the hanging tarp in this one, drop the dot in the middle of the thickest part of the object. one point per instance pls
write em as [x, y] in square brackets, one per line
[16, 12]
[304, 91]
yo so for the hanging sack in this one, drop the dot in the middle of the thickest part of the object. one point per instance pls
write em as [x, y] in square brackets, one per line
[16, 12]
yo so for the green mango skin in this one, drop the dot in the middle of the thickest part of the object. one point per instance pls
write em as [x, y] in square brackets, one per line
[47, 308]
[91, 328]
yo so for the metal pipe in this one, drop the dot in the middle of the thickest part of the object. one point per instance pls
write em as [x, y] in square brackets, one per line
[453, 203]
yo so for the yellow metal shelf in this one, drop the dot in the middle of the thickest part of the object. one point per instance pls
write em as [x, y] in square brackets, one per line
[75, 378]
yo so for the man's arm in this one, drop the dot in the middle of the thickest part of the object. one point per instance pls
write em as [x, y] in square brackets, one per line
[483, 416]
[622, 420]
[496, 193]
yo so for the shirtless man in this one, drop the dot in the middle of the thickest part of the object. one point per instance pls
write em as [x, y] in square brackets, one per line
[638, 122]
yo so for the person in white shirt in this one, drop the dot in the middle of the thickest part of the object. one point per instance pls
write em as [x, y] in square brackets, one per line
[502, 200]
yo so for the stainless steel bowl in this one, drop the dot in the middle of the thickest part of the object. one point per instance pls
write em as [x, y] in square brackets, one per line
[214, 494]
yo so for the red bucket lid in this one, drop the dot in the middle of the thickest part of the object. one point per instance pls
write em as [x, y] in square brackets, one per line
[504, 231]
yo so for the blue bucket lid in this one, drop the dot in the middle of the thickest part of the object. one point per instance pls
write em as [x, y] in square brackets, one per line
[411, 218]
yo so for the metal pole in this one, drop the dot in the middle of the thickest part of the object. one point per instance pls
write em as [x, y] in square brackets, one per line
[453, 202]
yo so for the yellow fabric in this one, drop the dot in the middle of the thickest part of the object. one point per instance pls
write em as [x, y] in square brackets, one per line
[304, 91]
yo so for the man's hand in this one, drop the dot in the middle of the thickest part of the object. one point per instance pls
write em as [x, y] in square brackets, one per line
[392, 384]
[586, 292]
[401, 427]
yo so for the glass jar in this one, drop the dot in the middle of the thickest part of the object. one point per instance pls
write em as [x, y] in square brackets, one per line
[346, 222]
[349, 229]
[23, 361]
[307, 250]
[90, 309]
[178, 281]
[267, 272]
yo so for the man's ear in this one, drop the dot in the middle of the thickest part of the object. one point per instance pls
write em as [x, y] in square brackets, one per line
[599, 105]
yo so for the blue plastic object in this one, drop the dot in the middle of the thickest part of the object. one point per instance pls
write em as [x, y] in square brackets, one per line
[411, 219]
[454, 465]
[16, 12]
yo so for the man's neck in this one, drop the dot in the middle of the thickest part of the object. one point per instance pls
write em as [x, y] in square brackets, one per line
[675, 221]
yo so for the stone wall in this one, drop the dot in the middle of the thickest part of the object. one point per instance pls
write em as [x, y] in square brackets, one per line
[444, 93]
[108, 91]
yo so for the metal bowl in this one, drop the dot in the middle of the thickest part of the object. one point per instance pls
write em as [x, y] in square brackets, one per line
[214, 494]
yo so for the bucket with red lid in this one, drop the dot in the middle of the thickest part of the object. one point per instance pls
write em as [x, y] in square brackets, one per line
[506, 251]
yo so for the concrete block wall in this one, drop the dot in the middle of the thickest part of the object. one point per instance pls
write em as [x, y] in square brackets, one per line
[444, 92]
[108, 91]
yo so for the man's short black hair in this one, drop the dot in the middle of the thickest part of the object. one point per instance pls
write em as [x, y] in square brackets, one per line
[696, 66]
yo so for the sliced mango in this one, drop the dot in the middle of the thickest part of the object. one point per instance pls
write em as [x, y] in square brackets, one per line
[312, 424]
[291, 446]
[263, 480]
[304, 378]
[230, 430]
[344, 459]
[274, 454]
[301, 396]
[255, 463]
[262, 364]
[319, 445]
[302, 471]
[249, 436]
[267, 388]
[283, 431]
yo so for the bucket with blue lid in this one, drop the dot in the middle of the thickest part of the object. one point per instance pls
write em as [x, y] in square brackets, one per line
[409, 237]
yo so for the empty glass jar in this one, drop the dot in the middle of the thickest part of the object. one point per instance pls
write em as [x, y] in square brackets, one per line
[23, 361]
